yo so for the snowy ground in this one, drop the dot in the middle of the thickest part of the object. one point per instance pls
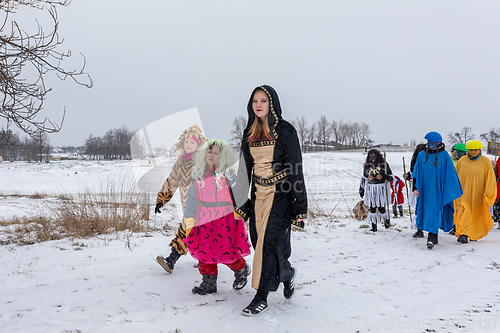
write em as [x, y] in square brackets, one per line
[349, 279]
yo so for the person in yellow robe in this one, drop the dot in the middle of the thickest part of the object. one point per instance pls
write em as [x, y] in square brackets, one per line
[472, 210]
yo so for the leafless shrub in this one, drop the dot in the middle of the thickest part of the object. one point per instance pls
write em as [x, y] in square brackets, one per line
[29, 230]
[38, 196]
[115, 206]
[64, 197]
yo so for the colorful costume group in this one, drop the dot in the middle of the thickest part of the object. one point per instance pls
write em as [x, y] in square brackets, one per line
[452, 196]
[216, 202]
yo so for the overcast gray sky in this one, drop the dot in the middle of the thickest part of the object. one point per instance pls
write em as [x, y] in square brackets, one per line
[403, 67]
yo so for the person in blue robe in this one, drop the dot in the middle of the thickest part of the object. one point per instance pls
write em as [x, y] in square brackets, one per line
[436, 184]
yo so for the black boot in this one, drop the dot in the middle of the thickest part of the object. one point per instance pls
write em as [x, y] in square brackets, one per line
[432, 240]
[240, 277]
[208, 285]
[387, 223]
[289, 287]
[453, 230]
[419, 234]
[168, 263]
[463, 239]
[400, 208]
[374, 227]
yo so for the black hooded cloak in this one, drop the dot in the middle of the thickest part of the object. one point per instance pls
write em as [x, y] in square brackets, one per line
[273, 170]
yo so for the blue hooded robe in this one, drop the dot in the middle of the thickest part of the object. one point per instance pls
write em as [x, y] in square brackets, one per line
[438, 187]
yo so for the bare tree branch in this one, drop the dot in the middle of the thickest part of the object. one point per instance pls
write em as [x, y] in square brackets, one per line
[239, 124]
[25, 61]
[492, 136]
[463, 136]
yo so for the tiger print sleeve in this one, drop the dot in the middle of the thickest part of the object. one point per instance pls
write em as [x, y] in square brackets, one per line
[170, 186]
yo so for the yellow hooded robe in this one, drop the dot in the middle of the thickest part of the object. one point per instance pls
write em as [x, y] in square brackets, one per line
[472, 209]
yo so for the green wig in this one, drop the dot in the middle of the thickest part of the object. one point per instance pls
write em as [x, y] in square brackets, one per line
[225, 168]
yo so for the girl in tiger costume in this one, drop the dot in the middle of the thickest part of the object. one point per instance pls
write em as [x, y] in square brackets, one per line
[179, 178]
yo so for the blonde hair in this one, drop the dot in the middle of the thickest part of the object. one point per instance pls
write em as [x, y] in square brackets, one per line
[225, 168]
[259, 129]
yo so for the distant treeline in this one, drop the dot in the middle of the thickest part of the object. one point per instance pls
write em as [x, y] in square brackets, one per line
[13, 146]
[114, 144]
[319, 135]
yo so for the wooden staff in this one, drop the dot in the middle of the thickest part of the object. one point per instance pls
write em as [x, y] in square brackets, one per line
[387, 191]
[406, 186]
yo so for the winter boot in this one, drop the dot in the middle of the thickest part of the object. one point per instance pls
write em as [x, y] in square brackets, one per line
[385, 218]
[395, 211]
[419, 234]
[289, 287]
[400, 208]
[432, 240]
[256, 307]
[240, 277]
[208, 285]
[168, 263]
[373, 218]
[463, 239]
[453, 230]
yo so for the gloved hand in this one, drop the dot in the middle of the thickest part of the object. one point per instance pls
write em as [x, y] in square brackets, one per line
[361, 192]
[384, 176]
[157, 208]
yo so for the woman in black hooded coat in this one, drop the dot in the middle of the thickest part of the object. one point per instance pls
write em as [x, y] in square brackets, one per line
[271, 164]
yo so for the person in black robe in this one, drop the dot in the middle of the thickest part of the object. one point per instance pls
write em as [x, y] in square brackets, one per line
[271, 165]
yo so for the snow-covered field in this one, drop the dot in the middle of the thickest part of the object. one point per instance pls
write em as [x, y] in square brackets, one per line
[348, 280]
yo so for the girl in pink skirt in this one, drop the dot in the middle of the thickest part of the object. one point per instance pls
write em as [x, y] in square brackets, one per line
[214, 234]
